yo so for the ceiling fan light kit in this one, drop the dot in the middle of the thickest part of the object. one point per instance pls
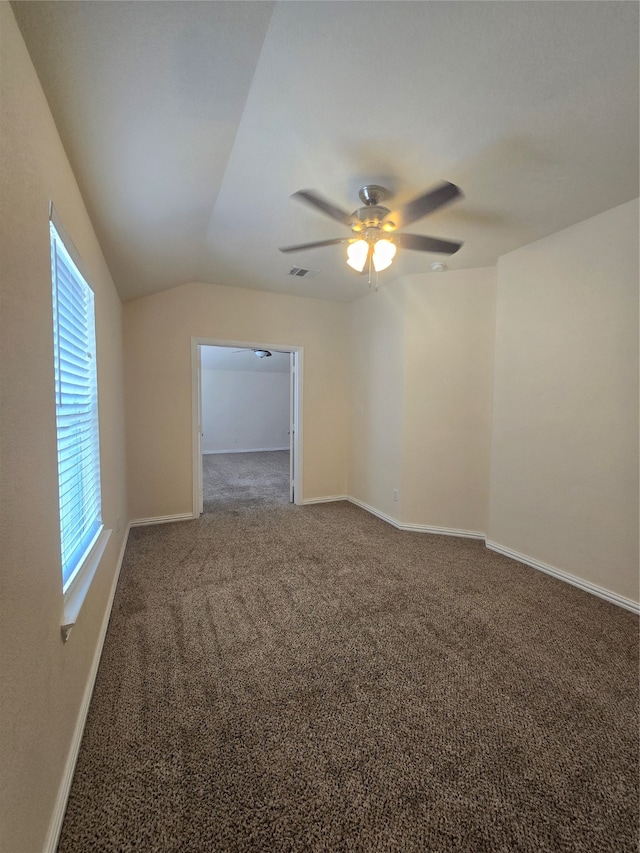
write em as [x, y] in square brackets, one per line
[384, 251]
[374, 243]
[378, 251]
[357, 254]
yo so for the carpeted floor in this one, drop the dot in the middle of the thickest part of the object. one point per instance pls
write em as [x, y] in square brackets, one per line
[260, 478]
[284, 678]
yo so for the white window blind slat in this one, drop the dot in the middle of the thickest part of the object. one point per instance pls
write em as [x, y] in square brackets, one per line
[71, 470]
[72, 365]
[73, 341]
[76, 408]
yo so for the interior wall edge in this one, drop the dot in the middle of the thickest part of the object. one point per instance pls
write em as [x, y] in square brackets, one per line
[55, 825]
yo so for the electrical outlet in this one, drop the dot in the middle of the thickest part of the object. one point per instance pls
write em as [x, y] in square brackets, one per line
[395, 494]
[118, 524]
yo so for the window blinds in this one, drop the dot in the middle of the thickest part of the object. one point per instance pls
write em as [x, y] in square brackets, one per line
[76, 394]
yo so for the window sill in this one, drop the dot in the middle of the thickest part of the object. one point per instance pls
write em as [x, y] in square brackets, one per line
[77, 592]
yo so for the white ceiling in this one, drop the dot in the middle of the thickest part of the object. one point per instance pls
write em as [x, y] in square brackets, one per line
[189, 124]
[232, 358]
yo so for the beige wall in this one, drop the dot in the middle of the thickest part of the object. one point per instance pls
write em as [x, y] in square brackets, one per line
[406, 372]
[43, 680]
[158, 331]
[421, 353]
[376, 387]
[448, 378]
[564, 473]
[245, 409]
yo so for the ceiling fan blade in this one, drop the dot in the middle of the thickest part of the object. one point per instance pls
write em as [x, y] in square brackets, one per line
[313, 199]
[302, 246]
[426, 244]
[427, 203]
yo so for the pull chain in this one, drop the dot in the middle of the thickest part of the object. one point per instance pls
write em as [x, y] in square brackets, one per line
[373, 282]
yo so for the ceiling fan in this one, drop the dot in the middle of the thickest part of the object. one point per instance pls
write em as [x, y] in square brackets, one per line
[259, 353]
[375, 239]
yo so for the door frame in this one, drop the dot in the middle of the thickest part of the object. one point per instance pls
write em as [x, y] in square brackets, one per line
[295, 440]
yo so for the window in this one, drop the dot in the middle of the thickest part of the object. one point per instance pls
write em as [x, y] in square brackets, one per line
[76, 395]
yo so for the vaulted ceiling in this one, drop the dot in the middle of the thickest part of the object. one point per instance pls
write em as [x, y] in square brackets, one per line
[189, 124]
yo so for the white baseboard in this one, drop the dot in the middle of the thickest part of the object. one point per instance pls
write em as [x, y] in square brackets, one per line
[587, 586]
[162, 519]
[378, 513]
[324, 500]
[55, 826]
[247, 450]
[443, 531]
[418, 528]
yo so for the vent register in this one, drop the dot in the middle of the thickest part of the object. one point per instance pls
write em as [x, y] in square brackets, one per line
[301, 271]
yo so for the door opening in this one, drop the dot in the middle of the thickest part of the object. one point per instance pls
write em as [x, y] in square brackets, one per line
[214, 432]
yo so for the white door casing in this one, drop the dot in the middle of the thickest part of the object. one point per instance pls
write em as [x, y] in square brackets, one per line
[295, 420]
[196, 427]
[292, 425]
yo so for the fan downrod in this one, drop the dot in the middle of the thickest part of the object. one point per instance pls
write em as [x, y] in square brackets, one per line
[372, 194]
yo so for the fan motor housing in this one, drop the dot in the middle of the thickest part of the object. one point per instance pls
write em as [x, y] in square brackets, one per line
[369, 217]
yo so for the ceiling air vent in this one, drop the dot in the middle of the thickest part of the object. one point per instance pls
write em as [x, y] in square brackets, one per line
[301, 271]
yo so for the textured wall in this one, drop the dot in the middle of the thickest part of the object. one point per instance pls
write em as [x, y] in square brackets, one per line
[43, 681]
[421, 379]
[448, 379]
[564, 473]
[376, 377]
[244, 410]
[158, 331]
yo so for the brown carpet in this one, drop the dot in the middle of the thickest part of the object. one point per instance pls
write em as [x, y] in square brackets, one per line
[260, 478]
[283, 678]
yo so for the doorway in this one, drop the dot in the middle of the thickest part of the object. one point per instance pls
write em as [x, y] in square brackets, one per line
[237, 444]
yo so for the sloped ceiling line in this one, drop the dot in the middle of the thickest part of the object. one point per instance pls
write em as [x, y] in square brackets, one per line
[188, 126]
